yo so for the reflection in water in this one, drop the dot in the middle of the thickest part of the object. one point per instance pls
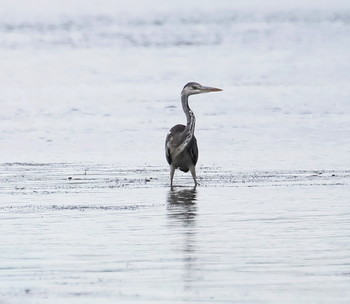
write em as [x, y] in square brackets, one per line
[182, 211]
[182, 205]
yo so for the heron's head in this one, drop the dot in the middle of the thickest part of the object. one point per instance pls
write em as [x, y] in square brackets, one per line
[195, 88]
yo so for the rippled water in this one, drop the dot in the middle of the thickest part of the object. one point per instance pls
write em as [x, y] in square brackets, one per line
[75, 235]
[89, 90]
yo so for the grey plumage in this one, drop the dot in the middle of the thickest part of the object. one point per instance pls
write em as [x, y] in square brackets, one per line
[176, 134]
[181, 148]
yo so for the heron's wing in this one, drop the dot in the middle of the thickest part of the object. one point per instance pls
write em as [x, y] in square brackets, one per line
[167, 154]
[193, 150]
[167, 148]
[173, 134]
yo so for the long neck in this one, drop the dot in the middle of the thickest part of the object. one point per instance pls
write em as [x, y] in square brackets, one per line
[191, 119]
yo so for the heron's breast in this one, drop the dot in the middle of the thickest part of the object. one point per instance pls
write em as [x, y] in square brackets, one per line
[181, 158]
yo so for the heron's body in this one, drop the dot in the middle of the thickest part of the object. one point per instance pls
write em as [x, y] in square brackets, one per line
[181, 148]
[179, 155]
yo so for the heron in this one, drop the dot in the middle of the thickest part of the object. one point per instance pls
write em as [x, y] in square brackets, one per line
[181, 148]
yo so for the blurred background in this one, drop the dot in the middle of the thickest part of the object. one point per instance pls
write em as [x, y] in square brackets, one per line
[100, 81]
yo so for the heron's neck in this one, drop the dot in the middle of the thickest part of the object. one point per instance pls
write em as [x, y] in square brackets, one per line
[191, 119]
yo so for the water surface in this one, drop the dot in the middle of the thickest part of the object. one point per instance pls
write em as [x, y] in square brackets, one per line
[89, 90]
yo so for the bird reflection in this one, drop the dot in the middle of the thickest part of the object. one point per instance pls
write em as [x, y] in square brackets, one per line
[182, 212]
[182, 205]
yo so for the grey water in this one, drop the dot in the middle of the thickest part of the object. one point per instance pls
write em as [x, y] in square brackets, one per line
[89, 90]
[121, 235]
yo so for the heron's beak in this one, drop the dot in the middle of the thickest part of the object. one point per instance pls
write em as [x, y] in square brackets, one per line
[209, 89]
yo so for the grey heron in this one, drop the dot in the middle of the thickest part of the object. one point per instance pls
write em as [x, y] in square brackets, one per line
[181, 148]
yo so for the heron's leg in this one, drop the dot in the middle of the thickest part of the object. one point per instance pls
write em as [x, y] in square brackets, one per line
[193, 172]
[172, 170]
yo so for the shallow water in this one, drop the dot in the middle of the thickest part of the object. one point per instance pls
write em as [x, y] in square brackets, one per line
[95, 233]
[89, 90]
